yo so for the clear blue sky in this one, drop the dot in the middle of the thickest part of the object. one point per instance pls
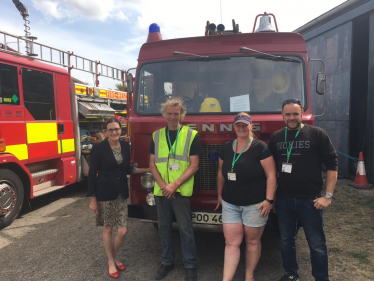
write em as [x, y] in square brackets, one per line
[113, 31]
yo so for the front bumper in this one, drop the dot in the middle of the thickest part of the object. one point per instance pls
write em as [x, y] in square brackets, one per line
[142, 212]
[148, 214]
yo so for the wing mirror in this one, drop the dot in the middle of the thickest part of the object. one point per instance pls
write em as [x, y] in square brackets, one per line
[321, 83]
[130, 84]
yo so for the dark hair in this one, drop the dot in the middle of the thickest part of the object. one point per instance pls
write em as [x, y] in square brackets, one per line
[112, 120]
[296, 101]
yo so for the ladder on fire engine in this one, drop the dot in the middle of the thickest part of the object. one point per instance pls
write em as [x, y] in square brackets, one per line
[62, 58]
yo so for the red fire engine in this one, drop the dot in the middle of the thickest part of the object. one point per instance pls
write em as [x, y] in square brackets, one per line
[47, 123]
[218, 75]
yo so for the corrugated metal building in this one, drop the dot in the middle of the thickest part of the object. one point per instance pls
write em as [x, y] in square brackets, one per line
[344, 39]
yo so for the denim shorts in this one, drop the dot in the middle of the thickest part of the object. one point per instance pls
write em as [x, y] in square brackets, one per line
[247, 215]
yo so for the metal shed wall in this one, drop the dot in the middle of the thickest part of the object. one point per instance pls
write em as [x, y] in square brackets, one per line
[369, 138]
[330, 37]
[334, 48]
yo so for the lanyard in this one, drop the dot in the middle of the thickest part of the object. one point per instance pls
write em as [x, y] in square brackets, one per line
[234, 159]
[289, 149]
[176, 142]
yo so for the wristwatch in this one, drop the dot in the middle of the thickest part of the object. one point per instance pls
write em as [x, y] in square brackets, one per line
[328, 195]
[270, 201]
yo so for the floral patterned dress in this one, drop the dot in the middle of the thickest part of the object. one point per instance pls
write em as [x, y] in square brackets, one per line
[113, 213]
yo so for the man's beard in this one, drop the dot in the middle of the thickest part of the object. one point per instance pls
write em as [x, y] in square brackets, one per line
[295, 124]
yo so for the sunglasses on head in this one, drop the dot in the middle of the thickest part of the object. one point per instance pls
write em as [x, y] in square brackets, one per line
[291, 101]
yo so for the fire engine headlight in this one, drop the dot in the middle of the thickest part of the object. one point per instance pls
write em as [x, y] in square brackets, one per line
[147, 181]
[150, 199]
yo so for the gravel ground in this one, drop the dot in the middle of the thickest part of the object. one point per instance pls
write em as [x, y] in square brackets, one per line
[57, 240]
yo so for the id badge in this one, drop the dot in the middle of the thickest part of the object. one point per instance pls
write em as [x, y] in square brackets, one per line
[287, 168]
[174, 167]
[231, 176]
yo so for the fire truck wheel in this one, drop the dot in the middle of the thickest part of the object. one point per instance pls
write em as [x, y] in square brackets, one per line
[11, 197]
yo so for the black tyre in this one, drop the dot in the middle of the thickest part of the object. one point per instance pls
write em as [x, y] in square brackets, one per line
[11, 197]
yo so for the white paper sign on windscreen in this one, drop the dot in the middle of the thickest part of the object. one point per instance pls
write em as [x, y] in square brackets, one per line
[239, 103]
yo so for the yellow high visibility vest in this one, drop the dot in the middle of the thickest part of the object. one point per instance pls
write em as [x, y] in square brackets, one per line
[163, 157]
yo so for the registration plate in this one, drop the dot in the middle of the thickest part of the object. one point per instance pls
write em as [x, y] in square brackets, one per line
[208, 218]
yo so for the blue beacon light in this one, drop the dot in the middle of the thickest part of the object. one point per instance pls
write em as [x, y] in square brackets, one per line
[213, 155]
[154, 34]
[154, 28]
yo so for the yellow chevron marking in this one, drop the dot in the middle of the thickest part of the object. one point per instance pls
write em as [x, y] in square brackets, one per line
[80, 89]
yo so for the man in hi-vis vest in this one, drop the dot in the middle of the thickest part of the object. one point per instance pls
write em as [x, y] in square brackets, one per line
[174, 160]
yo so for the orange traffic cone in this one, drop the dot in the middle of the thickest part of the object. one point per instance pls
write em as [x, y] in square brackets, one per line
[361, 180]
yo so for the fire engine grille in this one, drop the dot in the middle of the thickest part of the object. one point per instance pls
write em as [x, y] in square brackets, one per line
[206, 176]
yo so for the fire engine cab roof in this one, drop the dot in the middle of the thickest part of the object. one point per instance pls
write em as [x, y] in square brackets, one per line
[30, 62]
[277, 42]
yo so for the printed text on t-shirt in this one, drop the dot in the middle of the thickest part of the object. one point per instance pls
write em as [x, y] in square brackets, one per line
[296, 144]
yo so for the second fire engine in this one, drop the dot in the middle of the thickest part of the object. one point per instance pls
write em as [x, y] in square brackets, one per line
[48, 123]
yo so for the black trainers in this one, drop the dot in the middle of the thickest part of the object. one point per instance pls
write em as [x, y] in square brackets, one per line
[191, 274]
[163, 271]
[287, 276]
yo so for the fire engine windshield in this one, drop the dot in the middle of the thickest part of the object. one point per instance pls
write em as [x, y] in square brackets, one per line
[222, 86]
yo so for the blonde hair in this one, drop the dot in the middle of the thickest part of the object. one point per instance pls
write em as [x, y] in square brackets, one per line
[245, 113]
[174, 102]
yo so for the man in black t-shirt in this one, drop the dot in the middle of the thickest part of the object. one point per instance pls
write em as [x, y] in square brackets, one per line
[299, 151]
[174, 160]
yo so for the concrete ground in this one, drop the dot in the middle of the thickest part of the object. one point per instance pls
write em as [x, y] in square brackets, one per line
[57, 240]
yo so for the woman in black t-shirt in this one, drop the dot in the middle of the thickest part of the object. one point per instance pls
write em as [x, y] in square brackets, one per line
[246, 190]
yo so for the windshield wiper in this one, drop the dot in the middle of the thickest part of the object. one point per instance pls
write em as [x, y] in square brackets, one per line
[182, 53]
[277, 58]
[266, 56]
[201, 58]
[210, 58]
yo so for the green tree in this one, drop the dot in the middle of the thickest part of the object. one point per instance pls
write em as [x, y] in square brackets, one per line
[119, 87]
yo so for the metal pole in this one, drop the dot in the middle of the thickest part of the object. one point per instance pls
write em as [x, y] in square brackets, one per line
[27, 33]
[123, 82]
[97, 76]
[220, 4]
[69, 68]
[128, 100]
